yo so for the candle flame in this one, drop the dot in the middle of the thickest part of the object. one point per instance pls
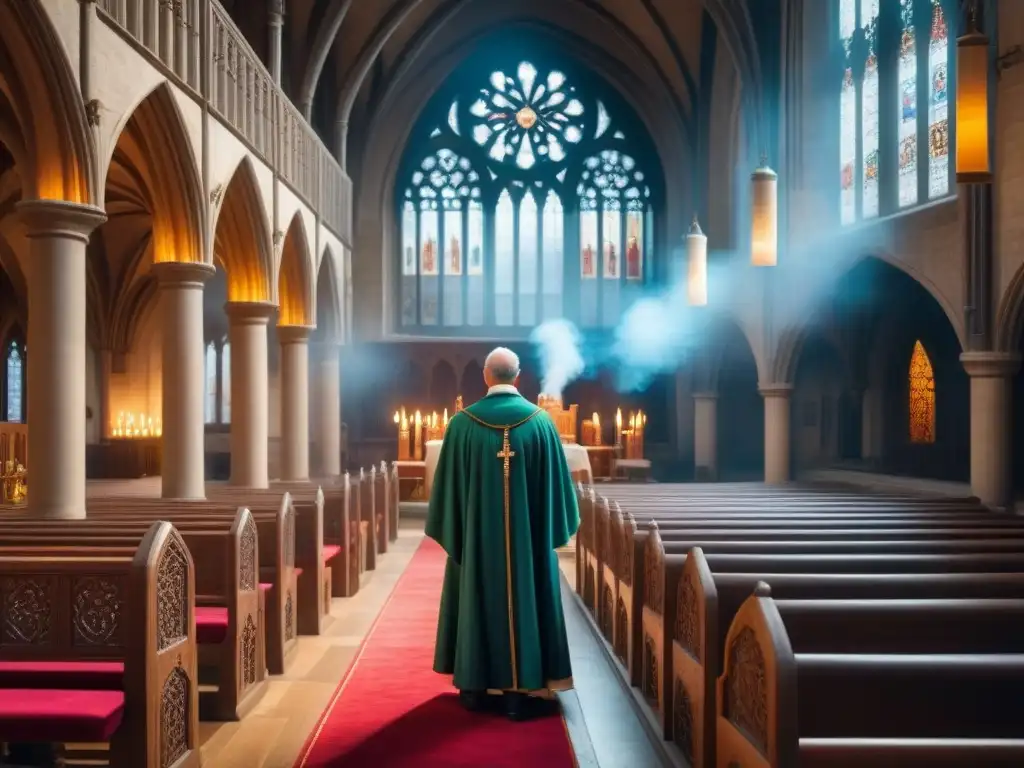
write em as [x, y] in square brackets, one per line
[397, 420]
[596, 419]
[618, 417]
[419, 418]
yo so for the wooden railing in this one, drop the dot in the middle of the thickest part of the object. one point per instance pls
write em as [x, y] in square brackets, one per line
[180, 35]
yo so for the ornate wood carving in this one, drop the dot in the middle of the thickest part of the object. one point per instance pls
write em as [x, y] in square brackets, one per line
[92, 112]
[247, 557]
[745, 701]
[682, 721]
[687, 629]
[97, 610]
[28, 610]
[174, 716]
[249, 652]
[172, 619]
[621, 631]
[289, 616]
[654, 574]
[650, 672]
[607, 611]
[629, 534]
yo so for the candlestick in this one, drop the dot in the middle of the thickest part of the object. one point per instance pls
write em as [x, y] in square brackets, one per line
[418, 438]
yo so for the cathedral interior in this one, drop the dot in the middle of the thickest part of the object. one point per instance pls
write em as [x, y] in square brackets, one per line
[254, 253]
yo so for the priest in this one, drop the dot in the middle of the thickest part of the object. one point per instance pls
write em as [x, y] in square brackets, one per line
[501, 503]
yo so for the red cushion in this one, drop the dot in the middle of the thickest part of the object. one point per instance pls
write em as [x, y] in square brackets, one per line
[28, 714]
[329, 551]
[72, 675]
[211, 625]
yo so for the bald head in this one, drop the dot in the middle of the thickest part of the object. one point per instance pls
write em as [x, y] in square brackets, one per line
[501, 367]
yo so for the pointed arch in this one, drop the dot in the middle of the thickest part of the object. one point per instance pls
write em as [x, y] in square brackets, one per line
[153, 153]
[242, 243]
[921, 393]
[37, 80]
[294, 281]
[329, 321]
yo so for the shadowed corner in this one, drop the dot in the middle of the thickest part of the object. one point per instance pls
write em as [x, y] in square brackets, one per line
[441, 732]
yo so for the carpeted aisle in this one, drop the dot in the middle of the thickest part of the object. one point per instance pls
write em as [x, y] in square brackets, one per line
[392, 710]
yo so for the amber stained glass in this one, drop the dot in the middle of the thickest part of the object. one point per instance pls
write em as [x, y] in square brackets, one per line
[922, 396]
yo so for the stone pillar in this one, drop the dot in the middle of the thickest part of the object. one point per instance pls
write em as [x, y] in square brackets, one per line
[705, 436]
[991, 379]
[327, 410]
[247, 332]
[776, 432]
[184, 446]
[275, 22]
[294, 341]
[55, 377]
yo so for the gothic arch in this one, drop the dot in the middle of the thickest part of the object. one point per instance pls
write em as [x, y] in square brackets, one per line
[39, 84]
[723, 332]
[326, 34]
[157, 166]
[242, 240]
[294, 281]
[328, 300]
[783, 365]
[1009, 330]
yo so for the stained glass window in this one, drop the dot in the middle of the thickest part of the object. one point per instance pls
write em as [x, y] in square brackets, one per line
[907, 107]
[15, 382]
[938, 106]
[913, 97]
[921, 385]
[225, 382]
[210, 401]
[489, 196]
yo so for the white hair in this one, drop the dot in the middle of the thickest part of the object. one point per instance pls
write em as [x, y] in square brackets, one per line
[503, 365]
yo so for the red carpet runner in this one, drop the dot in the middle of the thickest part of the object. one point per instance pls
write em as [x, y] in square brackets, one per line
[392, 711]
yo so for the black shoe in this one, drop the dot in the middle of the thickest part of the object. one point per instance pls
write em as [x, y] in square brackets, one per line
[521, 706]
[475, 701]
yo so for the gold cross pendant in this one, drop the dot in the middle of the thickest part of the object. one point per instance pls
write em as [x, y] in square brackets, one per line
[506, 452]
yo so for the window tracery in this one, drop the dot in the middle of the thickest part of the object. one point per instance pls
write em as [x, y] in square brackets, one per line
[217, 373]
[515, 176]
[905, 102]
[922, 396]
[15, 383]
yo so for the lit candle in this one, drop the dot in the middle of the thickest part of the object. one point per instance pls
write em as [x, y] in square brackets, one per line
[403, 439]
[418, 438]
[618, 427]
[596, 419]
[445, 425]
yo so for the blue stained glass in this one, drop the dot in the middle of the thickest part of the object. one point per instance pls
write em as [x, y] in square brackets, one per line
[210, 401]
[908, 109]
[504, 259]
[15, 381]
[938, 106]
[528, 261]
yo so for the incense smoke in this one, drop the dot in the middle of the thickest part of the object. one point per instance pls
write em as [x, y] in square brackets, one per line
[558, 347]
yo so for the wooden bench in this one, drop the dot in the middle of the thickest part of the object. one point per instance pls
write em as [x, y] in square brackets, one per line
[228, 616]
[113, 636]
[276, 526]
[779, 705]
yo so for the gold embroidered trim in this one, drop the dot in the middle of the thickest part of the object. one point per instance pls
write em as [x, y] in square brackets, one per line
[505, 454]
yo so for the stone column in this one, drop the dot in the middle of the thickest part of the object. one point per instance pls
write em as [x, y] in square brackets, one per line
[184, 446]
[247, 332]
[705, 436]
[991, 377]
[872, 424]
[776, 432]
[55, 377]
[275, 22]
[294, 341]
[327, 410]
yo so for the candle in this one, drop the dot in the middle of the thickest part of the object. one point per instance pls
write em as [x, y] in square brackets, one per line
[596, 419]
[417, 452]
[618, 427]
[403, 439]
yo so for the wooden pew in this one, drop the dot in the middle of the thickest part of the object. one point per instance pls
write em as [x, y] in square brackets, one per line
[228, 616]
[275, 524]
[313, 558]
[381, 510]
[68, 613]
[779, 705]
[393, 501]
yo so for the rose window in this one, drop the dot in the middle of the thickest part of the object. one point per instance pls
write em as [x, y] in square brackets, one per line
[526, 117]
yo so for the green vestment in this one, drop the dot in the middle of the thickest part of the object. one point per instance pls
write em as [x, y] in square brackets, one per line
[500, 519]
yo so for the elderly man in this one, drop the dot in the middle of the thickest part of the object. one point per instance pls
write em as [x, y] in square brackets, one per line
[501, 503]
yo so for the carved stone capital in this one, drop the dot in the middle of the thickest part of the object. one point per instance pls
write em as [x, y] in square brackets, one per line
[991, 365]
